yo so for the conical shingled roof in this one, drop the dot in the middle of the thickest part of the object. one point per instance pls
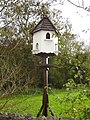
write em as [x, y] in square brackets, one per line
[44, 24]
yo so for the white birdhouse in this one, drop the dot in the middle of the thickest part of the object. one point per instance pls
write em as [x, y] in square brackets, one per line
[44, 39]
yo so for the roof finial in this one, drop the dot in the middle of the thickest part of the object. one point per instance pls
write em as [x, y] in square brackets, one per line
[44, 11]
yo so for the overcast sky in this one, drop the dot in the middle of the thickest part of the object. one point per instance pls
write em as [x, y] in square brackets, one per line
[79, 18]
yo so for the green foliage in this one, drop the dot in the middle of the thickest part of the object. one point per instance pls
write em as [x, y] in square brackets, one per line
[72, 62]
[75, 105]
[18, 67]
[69, 103]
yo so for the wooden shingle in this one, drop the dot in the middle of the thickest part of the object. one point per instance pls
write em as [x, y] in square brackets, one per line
[44, 24]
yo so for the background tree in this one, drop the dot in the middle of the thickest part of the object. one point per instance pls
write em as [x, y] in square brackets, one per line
[71, 61]
[18, 67]
[17, 64]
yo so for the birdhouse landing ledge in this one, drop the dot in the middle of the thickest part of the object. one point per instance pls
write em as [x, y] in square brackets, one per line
[44, 39]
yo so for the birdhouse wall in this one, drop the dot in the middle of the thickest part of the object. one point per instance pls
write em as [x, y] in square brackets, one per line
[45, 42]
[37, 37]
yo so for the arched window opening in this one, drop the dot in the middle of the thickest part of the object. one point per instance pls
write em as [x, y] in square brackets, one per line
[37, 46]
[48, 36]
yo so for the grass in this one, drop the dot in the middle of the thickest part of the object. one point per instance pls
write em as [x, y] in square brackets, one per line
[63, 103]
[23, 104]
[67, 104]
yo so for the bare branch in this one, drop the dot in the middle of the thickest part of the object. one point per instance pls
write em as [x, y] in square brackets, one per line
[75, 4]
[2, 8]
[9, 22]
[4, 105]
[85, 8]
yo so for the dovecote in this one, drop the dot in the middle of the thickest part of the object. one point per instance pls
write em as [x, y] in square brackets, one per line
[44, 38]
